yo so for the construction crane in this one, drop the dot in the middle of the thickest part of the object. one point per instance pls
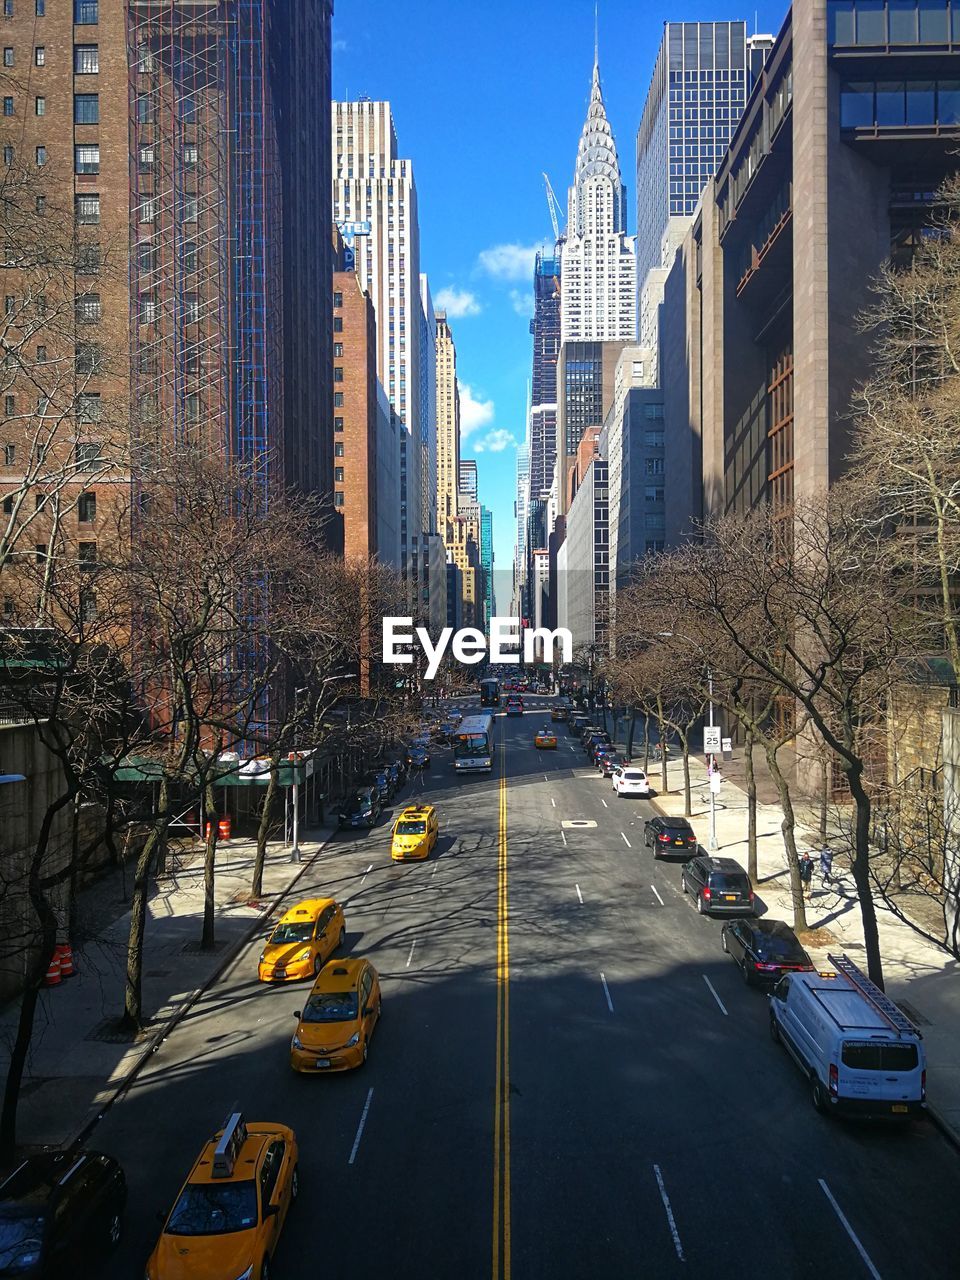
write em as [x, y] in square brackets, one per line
[553, 204]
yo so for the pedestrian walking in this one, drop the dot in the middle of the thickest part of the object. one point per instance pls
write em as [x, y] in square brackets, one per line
[826, 865]
[806, 873]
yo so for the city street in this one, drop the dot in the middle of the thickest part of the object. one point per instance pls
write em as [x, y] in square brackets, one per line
[602, 1099]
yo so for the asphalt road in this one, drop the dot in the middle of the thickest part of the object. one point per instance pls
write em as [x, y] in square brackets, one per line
[549, 997]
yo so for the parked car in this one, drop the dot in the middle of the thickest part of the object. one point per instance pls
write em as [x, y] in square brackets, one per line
[861, 1054]
[419, 758]
[608, 762]
[720, 885]
[397, 773]
[60, 1211]
[362, 809]
[629, 780]
[380, 779]
[669, 835]
[764, 949]
[576, 723]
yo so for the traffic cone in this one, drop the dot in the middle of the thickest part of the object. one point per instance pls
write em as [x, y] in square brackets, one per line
[67, 966]
[52, 977]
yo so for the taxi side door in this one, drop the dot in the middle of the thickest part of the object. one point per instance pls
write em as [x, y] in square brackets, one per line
[274, 1195]
[324, 934]
[368, 1012]
[433, 827]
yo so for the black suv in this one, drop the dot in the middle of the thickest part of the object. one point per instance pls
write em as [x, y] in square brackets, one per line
[764, 949]
[669, 835]
[58, 1211]
[721, 886]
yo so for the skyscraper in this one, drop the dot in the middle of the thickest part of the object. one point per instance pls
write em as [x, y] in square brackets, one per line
[467, 481]
[520, 511]
[598, 285]
[486, 564]
[448, 422]
[375, 200]
[545, 328]
[701, 81]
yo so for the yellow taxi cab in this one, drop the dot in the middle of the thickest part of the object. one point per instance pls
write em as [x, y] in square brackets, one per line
[302, 939]
[545, 740]
[415, 833]
[334, 1029]
[228, 1217]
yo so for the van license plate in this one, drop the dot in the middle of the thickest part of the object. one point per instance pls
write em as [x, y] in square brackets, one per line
[899, 1107]
[323, 1062]
[729, 897]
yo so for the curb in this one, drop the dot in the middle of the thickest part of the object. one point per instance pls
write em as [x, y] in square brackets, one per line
[157, 1038]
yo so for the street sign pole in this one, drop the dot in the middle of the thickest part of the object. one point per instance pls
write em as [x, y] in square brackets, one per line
[713, 736]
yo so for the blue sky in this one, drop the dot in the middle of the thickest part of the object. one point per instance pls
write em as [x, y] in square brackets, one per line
[486, 97]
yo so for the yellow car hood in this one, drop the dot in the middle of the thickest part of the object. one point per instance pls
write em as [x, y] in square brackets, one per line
[326, 1035]
[405, 843]
[203, 1257]
[284, 952]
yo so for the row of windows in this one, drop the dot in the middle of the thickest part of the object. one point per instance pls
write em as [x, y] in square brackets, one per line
[39, 8]
[896, 22]
[886, 103]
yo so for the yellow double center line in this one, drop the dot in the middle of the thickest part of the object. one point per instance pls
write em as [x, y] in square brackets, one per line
[501, 1124]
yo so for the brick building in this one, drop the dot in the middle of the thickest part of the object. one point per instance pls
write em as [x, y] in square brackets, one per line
[355, 415]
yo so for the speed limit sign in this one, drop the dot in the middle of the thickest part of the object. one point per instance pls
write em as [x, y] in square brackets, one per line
[711, 739]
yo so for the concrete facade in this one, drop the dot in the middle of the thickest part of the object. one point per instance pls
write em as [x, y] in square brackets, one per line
[448, 422]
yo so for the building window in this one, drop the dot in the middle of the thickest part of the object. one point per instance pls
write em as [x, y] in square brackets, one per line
[191, 308]
[8, 56]
[190, 209]
[9, 304]
[338, 324]
[40, 55]
[88, 455]
[86, 158]
[338, 499]
[88, 605]
[9, 405]
[8, 106]
[149, 310]
[338, 399]
[41, 205]
[41, 156]
[654, 466]
[8, 8]
[144, 108]
[87, 554]
[89, 309]
[338, 299]
[88, 358]
[88, 407]
[86, 59]
[88, 210]
[145, 159]
[338, 449]
[41, 353]
[86, 13]
[86, 108]
[190, 154]
[338, 424]
[338, 350]
[338, 373]
[338, 474]
[8, 155]
[192, 407]
[9, 455]
[148, 209]
[41, 8]
[87, 508]
[40, 106]
[88, 260]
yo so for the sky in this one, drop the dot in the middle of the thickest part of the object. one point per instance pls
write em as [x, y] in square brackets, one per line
[486, 98]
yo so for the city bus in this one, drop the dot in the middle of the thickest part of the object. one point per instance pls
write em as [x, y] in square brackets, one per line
[490, 692]
[473, 743]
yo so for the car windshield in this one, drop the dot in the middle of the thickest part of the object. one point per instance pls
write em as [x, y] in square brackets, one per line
[472, 744]
[293, 932]
[411, 828]
[213, 1209]
[20, 1240]
[360, 801]
[331, 1006]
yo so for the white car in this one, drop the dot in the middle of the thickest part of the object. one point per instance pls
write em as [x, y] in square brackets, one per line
[630, 781]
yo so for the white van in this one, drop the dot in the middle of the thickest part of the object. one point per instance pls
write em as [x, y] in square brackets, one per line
[862, 1055]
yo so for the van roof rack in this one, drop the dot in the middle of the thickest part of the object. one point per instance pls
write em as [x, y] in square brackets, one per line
[897, 1019]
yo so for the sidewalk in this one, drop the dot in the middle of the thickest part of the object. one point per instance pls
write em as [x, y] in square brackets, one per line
[78, 1060]
[920, 977]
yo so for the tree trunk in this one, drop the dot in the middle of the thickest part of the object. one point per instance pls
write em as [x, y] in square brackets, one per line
[663, 747]
[646, 742]
[788, 827]
[263, 831]
[630, 732]
[861, 872]
[208, 936]
[687, 798]
[751, 805]
[132, 1016]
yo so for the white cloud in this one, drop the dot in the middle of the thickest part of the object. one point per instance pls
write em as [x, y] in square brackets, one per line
[474, 411]
[509, 261]
[522, 302]
[496, 441]
[457, 302]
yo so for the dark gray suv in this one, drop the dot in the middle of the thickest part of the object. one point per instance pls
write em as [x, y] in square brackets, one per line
[720, 886]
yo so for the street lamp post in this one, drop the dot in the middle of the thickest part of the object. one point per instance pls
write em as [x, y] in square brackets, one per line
[713, 764]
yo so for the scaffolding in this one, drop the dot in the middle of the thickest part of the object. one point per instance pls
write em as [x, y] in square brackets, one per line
[206, 328]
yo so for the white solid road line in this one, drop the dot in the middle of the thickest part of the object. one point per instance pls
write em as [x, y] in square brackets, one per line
[606, 992]
[410, 956]
[723, 1008]
[604, 803]
[659, 899]
[579, 894]
[626, 841]
[363, 1121]
[670, 1220]
[850, 1231]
